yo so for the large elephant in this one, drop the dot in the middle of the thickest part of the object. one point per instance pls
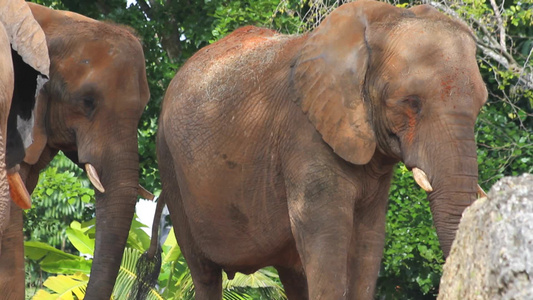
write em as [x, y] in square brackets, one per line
[89, 109]
[279, 150]
[18, 31]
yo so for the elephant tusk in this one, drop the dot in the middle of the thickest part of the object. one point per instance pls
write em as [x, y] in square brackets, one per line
[422, 180]
[93, 177]
[144, 193]
[480, 192]
[18, 192]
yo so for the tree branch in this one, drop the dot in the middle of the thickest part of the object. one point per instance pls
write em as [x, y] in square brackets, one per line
[169, 35]
[525, 77]
[498, 16]
[495, 50]
[145, 8]
[488, 51]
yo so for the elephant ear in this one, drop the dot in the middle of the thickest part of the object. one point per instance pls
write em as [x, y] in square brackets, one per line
[25, 34]
[329, 77]
[29, 41]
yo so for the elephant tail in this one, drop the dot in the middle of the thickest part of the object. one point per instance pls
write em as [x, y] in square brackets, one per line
[149, 264]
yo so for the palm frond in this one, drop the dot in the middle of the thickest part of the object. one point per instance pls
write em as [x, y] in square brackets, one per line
[65, 287]
[184, 286]
[264, 280]
[127, 277]
[236, 295]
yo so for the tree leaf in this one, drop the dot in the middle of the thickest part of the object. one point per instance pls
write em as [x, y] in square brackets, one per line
[81, 241]
[37, 250]
[67, 286]
[67, 266]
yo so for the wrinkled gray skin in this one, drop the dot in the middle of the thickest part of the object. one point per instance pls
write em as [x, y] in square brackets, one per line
[279, 150]
[89, 109]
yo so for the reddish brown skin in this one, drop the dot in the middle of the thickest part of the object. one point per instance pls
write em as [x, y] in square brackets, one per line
[253, 135]
[95, 97]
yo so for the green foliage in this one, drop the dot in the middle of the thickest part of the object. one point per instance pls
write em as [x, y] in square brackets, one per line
[263, 284]
[229, 15]
[127, 277]
[60, 197]
[54, 260]
[81, 235]
[505, 147]
[64, 287]
[175, 280]
[412, 260]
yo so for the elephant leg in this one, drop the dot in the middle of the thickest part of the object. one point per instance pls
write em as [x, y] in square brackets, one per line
[321, 215]
[367, 243]
[207, 278]
[12, 274]
[294, 283]
[206, 275]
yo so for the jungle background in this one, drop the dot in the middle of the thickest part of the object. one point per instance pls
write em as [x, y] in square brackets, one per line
[60, 225]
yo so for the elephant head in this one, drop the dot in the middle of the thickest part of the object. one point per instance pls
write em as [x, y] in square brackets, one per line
[405, 83]
[21, 35]
[90, 109]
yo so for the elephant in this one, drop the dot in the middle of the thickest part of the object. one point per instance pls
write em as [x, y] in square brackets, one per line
[89, 109]
[279, 150]
[20, 31]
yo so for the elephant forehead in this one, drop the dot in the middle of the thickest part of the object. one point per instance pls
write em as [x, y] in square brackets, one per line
[89, 60]
[429, 55]
[424, 43]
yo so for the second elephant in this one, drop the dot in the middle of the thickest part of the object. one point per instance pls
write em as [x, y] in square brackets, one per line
[279, 150]
[18, 31]
[89, 109]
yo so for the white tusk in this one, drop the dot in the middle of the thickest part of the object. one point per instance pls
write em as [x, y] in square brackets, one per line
[93, 177]
[144, 193]
[422, 179]
[480, 192]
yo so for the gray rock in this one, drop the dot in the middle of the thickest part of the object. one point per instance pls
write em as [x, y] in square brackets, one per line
[492, 255]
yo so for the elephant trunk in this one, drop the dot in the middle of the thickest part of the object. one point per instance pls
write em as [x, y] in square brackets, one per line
[114, 213]
[453, 177]
[447, 208]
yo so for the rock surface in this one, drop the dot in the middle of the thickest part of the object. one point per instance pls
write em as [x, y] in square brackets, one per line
[492, 255]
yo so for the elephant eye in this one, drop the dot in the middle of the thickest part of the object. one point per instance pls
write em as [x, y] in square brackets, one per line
[89, 103]
[413, 102]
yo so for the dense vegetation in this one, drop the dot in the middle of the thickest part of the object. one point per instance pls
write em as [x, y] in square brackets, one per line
[172, 31]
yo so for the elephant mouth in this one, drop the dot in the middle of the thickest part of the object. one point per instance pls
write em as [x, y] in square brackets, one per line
[95, 180]
[422, 180]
